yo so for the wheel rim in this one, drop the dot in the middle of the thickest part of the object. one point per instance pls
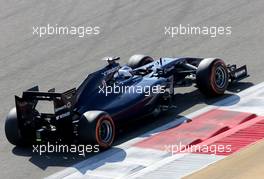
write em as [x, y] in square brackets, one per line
[220, 77]
[106, 131]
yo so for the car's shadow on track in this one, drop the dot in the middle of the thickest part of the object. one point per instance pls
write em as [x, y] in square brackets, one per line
[183, 102]
[46, 160]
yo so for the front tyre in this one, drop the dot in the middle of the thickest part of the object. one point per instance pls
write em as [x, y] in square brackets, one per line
[136, 61]
[212, 77]
[97, 127]
[12, 130]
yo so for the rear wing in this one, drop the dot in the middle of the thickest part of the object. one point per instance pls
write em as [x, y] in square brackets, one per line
[26, 105]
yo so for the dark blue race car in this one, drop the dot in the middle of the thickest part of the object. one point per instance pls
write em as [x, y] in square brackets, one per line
[111, 97]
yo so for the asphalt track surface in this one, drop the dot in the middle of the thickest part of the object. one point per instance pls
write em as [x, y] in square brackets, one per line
[127, 28]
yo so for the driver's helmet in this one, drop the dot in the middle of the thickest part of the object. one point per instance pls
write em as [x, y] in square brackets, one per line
[123, 73]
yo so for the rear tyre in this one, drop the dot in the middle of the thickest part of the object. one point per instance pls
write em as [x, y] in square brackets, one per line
[97, 127]
[136, 61]
[12, 130]
[212, 77]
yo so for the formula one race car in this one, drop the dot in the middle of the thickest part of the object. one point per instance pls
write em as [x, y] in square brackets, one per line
[112, 96]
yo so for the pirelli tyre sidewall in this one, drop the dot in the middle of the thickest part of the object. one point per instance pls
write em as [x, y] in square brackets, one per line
[136, 61]
[212, 77]
[97, 127]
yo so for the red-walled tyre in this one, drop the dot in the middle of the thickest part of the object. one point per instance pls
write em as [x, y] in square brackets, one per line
[212, 77]
[97, 127]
